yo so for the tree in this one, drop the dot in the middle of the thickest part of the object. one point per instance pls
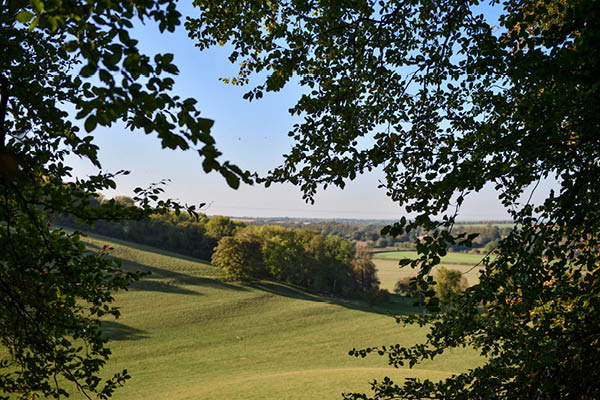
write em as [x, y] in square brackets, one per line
[281, 253]
[75, 55]
[219, 226]
[239, 257]
[334, 270]
[451, 101]
[365, 272]
[449, 283]
[405, 287]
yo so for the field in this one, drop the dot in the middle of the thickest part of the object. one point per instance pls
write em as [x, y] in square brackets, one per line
[185, 333]
[389, 271]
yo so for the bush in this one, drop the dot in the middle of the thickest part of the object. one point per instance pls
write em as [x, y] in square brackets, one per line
[403, 288]
[377, 296]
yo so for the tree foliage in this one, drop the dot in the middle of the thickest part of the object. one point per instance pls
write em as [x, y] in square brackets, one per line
[239, 257]
[61, 55]
[365, 272]
[406, 286]
[369, 232]
[449, 283]
[220, 226]
[327, 265]
[445, 101]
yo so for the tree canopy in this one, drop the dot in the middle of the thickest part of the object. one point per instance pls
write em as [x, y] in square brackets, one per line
[446, 100]
[61, 57]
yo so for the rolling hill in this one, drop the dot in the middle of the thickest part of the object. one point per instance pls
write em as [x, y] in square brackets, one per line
[186, 333]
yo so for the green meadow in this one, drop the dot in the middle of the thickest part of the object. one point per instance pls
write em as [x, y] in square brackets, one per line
[186, 333]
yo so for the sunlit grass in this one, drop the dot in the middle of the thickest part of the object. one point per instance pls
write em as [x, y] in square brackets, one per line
[185, 333]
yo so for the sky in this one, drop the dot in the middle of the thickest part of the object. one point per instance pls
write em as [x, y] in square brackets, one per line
[252, 135]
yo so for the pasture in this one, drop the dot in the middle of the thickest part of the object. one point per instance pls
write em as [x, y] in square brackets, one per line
[185, 333]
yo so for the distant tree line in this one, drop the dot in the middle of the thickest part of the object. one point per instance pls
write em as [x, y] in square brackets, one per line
[198, 238]
[370, 233]
[183, 234]
[302, 257]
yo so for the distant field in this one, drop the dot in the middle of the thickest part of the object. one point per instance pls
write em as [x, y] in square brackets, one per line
[480, 224]
[450, 258]
[185, 333]
[389, 272]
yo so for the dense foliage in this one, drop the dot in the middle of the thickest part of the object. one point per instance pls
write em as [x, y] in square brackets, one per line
[240, 258]
[445, 100]
[449, 283]
[56, 56]
[322, 264]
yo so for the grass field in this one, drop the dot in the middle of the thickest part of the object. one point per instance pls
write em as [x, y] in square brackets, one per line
[185, 333]
[389, 271]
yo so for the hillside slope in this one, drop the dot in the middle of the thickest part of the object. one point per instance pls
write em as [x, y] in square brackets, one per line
[185, 333]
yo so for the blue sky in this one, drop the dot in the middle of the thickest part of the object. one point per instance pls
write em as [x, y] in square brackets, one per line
[251, 135]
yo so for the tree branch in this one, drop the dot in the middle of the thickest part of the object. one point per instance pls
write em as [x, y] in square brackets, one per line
[3, 102]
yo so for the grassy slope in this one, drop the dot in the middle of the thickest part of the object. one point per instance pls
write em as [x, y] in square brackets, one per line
[186, 334]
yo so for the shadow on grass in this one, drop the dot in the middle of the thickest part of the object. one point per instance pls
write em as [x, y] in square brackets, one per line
[153, 285]
[164, 280]
[116, 331]
[167, 281]
[397, 305]
[137, 246]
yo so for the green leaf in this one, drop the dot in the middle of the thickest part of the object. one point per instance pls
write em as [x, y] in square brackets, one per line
[105, 76]
[33, 23]
[24, 16]
[232, 180]
[88, 70]
[38, 5]
[205, 124]
[124, 37]
[90, 123]
[71, 46]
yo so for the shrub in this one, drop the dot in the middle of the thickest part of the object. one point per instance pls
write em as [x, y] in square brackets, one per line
[377, 296]
[403, 288]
